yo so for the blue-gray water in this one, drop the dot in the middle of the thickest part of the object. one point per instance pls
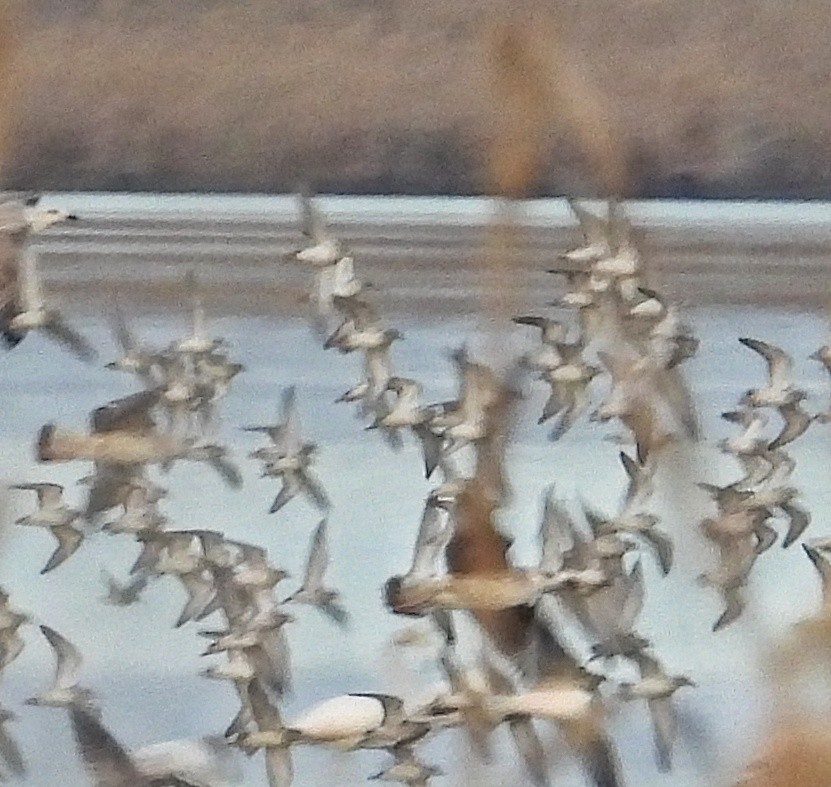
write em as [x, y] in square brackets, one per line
[146, 672]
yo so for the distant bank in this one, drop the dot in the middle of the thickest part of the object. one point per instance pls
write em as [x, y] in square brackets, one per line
[711, 100]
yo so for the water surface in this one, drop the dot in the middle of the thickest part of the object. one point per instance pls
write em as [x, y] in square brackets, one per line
[748, 269]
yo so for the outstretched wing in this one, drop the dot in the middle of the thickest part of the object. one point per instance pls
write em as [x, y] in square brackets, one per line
[104, 758]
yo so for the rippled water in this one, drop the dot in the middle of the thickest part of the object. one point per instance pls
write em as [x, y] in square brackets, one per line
[146, 672]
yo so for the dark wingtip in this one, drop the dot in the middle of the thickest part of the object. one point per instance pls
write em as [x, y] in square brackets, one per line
[44, 443]
[392, 598]
[812, 553]
[12, 338]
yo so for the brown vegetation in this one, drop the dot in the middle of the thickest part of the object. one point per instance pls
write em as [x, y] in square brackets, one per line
[706, 98]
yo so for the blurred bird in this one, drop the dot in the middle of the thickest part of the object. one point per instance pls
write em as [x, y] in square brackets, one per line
[313, 591]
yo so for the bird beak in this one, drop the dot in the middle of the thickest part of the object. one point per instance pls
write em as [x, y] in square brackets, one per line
[72, 217]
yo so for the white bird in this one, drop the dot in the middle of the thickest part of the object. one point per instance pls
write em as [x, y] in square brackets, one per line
[357, 720]
[196, 762]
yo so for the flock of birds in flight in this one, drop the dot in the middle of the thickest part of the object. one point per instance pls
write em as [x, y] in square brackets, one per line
[589, 575]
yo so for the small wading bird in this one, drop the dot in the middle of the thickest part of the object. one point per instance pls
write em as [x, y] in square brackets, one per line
[289, 458]
[124, 433]
[22, 306]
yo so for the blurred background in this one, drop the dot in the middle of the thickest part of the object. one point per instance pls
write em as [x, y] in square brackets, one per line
[636, 98]
[705, 99]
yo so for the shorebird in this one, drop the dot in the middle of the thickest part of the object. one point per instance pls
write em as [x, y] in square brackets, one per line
[37, 219]
[295, 473]
[552, 332]
[185, 763]
[370, 390]
[605, 598]
[69, 541]
[641, 526]
[198, 341]
[139, 514]
[179, 554]
[434, 533]
[359, 720]
[796, 423]
[751, 441]
[779, 389]
[548, 355]
[51, 511]
[338, 280]
[124, 595]
[361, 330]
[737, 555]
[565, 693]
[238, 669]
[253, 570]
[669, 341]
[569, 396]
[640, 486]
[595, 231]
[65, 692]
[53, 515]
[124, 433]
[284, 435]
[324, 248]
[11, 643]
[138, 360]
[823, 355]
[104, 758]
[22, 305]
[407, 769]
[466, 421]
[407, 411]
[313, 591]
[271, 736]
[623, 264]
[652, 402]
[657, 688]
[289, 458]
[255, 640]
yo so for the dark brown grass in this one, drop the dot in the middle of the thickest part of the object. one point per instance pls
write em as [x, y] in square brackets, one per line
[653, 97]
